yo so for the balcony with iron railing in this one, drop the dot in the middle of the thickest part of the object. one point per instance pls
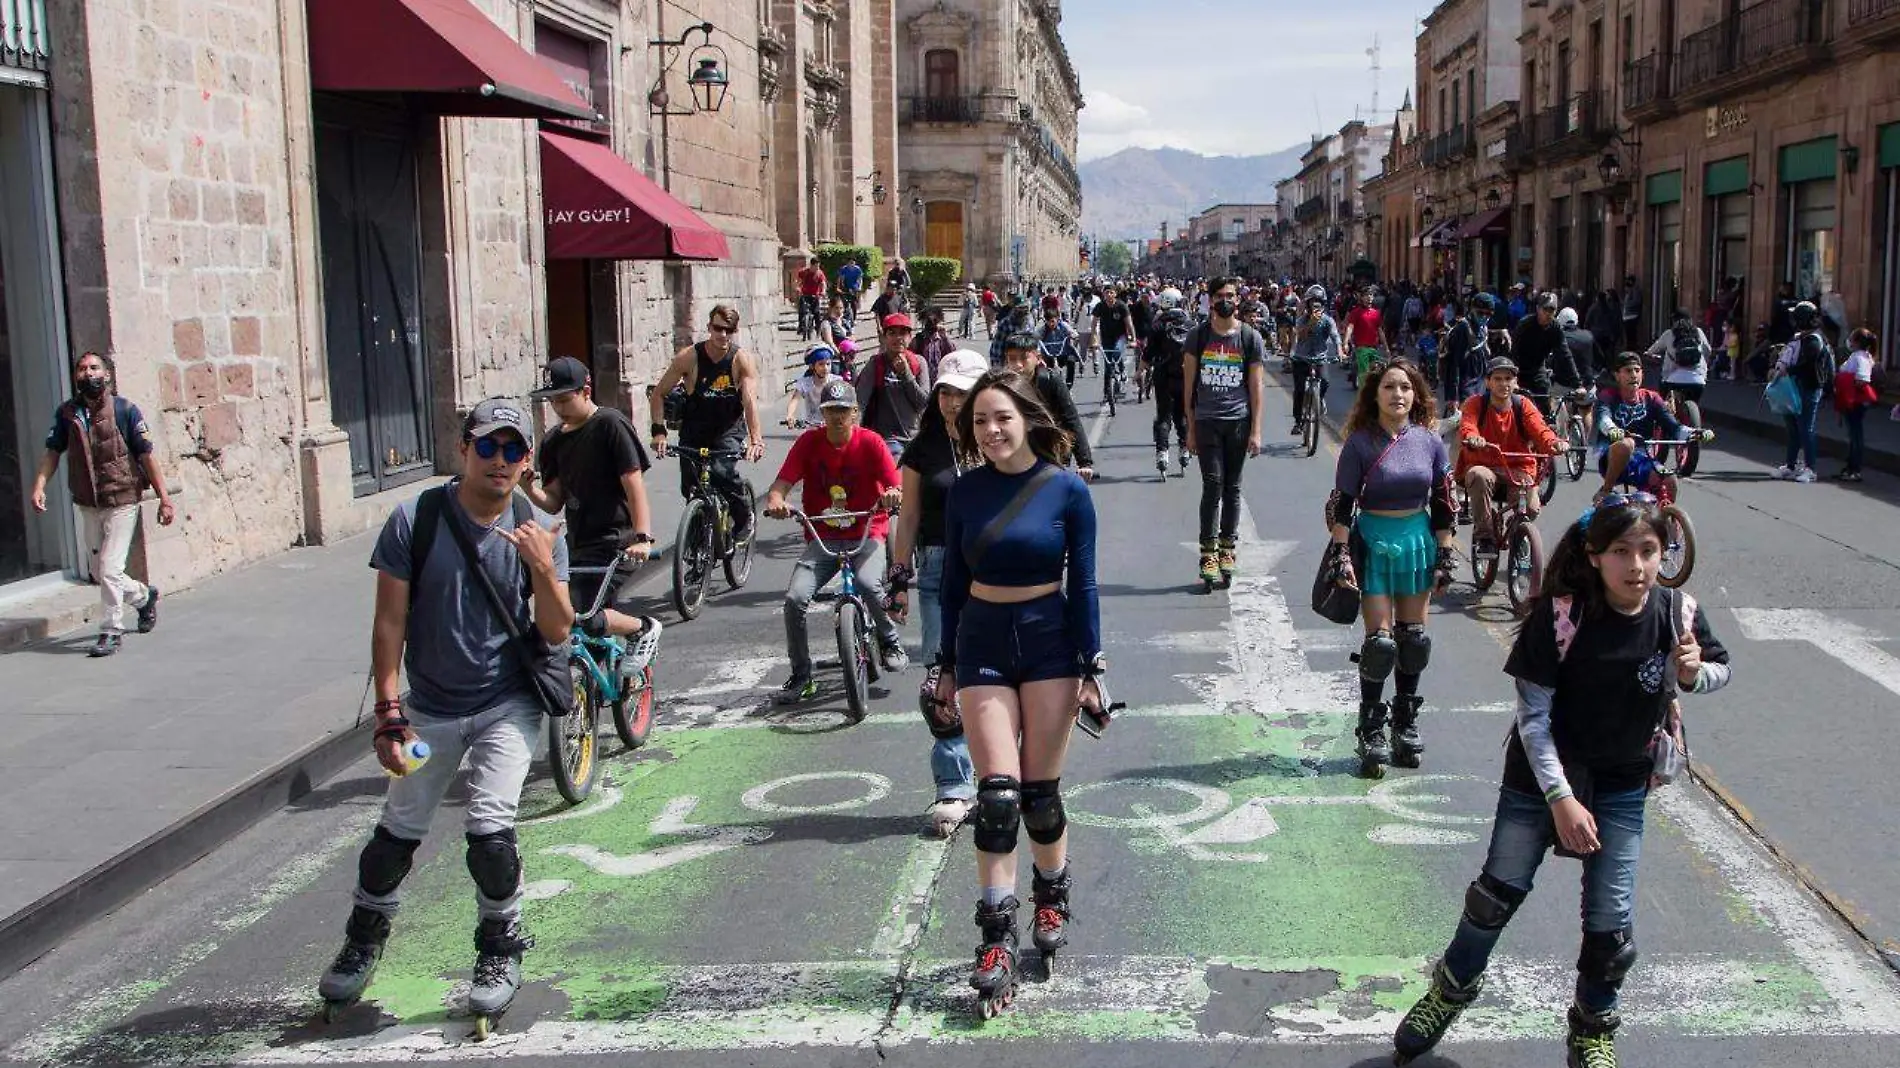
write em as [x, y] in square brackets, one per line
[1755, 46]
[1572, 128]
[1645, 90]
[1310, 209]
[964, 108]
[1450, 146]
[1874, 19]
[26, 42]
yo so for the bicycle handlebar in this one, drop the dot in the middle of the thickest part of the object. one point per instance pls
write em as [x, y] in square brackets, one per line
[703, 454]
[818, 537]
[606, 584]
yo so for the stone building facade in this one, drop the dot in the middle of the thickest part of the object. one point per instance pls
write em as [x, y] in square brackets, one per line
[305, 282]
[1216, 235]
[988, 106]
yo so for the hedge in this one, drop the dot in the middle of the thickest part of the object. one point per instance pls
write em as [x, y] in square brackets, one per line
[930, 275]
[870, 257]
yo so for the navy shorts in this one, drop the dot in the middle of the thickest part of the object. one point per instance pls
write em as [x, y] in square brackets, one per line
[1011, 644]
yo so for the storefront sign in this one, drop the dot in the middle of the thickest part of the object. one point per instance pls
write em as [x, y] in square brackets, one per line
[1721, 120]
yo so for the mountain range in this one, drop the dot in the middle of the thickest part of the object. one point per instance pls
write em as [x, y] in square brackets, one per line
[1131, 193]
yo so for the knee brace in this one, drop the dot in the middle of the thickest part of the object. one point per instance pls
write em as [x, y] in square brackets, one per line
[999, 812]
[1414, 648]
[1489, 904]
[495, 864]
[1377, 656]
[1607, 956]
[385, 861]
[1042, 811]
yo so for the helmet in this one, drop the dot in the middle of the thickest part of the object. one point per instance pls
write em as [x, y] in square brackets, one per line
[1805, 315]
[1550, 301]
[1484, 302]
[1567, 318]
[1170, 298]
[820, 354]
[1316, 293]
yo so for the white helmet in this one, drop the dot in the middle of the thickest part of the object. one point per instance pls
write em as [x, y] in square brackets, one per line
[1567, 318]
[1170, 298]
[1317, 293]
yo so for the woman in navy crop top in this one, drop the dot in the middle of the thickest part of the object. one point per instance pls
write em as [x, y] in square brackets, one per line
[1024, 650]
[1394, 469]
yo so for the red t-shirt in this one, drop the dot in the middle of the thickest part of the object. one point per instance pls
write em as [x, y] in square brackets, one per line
[850, 479]
[989, 297]
[811, 282]
[1362, 328]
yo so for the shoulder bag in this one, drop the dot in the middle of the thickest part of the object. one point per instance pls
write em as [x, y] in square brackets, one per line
[547, 663]
[1333, 599]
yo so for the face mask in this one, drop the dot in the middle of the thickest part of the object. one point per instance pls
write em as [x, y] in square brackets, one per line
[1225, 308]
[93, 385]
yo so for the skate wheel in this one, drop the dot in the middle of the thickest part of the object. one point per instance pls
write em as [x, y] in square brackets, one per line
[1406, 761]
[1371, 769]
[483, 1028]
[332, 1010]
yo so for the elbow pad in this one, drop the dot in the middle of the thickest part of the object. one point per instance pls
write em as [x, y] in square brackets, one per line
[1444, 517]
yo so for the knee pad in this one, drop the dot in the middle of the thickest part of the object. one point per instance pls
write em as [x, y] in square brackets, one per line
[385, 861]
[495, 864]
[1377, 656]
[1607, 956]
[1042, 811]
[1489, 904]
[1414, 648]
[999, 813]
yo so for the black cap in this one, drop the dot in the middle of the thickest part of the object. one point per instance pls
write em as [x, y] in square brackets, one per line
[494, 414]
[563, 374]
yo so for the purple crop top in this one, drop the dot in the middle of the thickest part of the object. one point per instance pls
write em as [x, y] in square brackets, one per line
[1405, 480]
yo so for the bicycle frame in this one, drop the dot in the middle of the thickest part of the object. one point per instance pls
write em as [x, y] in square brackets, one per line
[598, 655]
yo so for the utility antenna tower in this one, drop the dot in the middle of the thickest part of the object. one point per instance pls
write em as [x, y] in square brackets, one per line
[1373, 52]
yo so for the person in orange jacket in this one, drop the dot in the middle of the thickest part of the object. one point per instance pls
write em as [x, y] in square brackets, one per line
[1490, 424]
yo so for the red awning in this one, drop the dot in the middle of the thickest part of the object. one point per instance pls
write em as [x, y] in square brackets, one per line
[1486, 224]
[1441, 233]
[599, 207]
[445, 55]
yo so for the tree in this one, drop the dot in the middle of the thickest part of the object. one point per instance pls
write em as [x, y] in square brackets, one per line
[1112, 258]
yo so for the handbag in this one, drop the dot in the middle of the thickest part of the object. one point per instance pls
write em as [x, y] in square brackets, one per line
[1783, 396]
[547, 663]
[1669, 743]
[1332, 599]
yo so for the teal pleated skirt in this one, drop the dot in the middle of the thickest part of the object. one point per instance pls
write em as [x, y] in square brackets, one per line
[1397, 556]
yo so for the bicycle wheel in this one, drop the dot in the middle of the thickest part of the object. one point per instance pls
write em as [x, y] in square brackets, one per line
[633, 713]
[1311, 417]
[1484, 566]
[1547, 488]
[571, 740]
[1524, 552]
[1690, 454]
[854, 659]
[692, 560]
[1678, 557]
[1578, 446]
[738, 561]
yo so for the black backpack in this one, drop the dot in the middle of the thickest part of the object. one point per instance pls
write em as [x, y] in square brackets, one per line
[1688, 346]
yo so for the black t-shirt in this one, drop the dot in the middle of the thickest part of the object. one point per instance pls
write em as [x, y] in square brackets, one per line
[588, 463]
[1612, 690]
[1111, 323]
[932, 456]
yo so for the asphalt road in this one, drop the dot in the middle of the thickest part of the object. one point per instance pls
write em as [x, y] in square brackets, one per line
[755, 886]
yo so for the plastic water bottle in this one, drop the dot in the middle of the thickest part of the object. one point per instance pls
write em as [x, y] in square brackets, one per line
[413, 754]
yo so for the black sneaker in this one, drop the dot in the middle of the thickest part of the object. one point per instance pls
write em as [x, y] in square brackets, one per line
[105, 646]
[797, 690]
[148, 612]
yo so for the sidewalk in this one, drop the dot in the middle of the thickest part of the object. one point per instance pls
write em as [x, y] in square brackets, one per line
[1738, 406]
[116, 773]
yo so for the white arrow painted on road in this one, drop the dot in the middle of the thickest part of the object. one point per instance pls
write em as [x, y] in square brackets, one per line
[671, 821]
[1848, 643]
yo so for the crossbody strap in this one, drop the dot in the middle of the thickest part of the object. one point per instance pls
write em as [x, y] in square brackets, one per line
[994, 529]
[482, 579]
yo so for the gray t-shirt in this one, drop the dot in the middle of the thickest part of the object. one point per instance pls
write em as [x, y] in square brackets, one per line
[457, 653]
[1220, 386]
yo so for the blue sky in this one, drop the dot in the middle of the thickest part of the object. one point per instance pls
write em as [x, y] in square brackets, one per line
[1237, 77]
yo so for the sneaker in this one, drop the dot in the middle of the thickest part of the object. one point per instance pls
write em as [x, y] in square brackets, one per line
[893, 656]
[1161, 461]
[1804, 475]
[947, 815]
[1850, 476]
[1785, 473]
[105, 646]
[1299, 429]
[797, 690]
[148, 612]
[642, 647]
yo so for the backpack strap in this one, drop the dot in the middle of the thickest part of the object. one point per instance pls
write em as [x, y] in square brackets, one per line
[524, 513]
[1565, 624]
[422, 534]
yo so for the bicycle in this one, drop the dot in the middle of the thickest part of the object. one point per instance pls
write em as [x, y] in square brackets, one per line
[1112, 377]
[594, 669]
[1313, 406]
[1569, 419]
[808, 315]
[1547, 484]
[1689, 414]
[705, 536]
[1678, 559]
[857, 652]
[1514, 533]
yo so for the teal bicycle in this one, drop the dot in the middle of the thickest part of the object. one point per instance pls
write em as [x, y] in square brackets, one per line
[601, 671]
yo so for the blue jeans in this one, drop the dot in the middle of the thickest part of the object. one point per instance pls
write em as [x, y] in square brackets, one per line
[1801, 428]
[1521, 834]
[1856, 437]
[950, 761]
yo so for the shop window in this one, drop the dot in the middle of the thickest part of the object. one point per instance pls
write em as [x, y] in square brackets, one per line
[1665, 268]
[1811, 242]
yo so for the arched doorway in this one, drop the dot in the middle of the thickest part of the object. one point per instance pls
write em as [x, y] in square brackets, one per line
[943, 229]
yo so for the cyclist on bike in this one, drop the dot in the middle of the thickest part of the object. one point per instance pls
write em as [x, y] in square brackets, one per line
[1161, 357]
[1224, 370]
[1363, 329]
[1683, 350]
[1489, 425]
[1023, 355]
[1056, 341]
[811, 293]
[1628, 409]
[1540, 351]
[851, 284]
[593, 469]
[893, 390]
[1113, 327]
[1583, 352]
[1316, 340]
[843, 468]
[721, 412]
[1467, 350]
[801, 407]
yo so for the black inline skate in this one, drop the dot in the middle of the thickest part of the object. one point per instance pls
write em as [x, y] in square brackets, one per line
[1592, 1039]
[994, 977]
[1433, 1015]
[499, 944]
[1050, 931]
[1373, 749]
[363, 939]
[1407, 747]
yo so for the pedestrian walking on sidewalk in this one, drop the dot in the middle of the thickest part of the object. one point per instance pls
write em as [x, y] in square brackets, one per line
[1392, 524]
[1224, 372]
[109, 462]
[1597, 667]
[449, 564]
[967, 323]
[1810, 364]
[1854, 394]
[930, 467]
[1021, 649]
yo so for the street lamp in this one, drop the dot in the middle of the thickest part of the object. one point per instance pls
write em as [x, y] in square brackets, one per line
[1492, 198]
[879, 194]
[708, 81]
[1609, 168]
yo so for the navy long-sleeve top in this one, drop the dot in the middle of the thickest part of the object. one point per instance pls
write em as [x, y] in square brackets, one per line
[1050, 540]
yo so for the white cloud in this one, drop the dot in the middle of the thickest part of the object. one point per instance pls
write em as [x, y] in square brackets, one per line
[1107, 113]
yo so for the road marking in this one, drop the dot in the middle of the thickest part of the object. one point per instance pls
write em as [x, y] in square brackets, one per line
[732, 676]
[1853, 645]
[755, 798]
[671, 821]
[909, 906]
[602, 800]
[1100, 426]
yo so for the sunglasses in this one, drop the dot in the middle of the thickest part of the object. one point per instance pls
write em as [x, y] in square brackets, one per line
[722, 329]
[511, 450]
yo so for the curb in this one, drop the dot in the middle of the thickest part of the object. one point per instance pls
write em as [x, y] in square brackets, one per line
[1767, 429]
[41, 926]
